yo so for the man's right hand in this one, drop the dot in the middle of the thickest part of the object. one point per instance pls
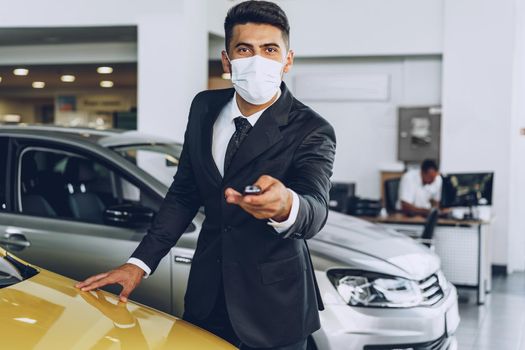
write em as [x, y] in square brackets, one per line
[128, 276]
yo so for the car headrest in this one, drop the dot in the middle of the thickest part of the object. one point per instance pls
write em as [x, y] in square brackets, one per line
[79, 170]
[29, 168]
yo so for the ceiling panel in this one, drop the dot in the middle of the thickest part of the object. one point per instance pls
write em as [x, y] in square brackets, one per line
[70, 35]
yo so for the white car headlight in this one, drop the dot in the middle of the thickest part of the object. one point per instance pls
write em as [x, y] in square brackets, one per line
[361, 288]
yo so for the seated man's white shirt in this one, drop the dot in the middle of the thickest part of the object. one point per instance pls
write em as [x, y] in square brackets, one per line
[413, 191]
[223, 129]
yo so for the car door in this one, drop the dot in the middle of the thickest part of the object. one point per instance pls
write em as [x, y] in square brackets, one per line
[160, 162]
[59, 199]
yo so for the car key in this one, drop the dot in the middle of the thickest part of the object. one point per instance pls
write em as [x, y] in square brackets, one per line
[252, 190]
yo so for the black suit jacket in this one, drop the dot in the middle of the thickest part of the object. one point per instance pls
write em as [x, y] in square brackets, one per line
[269, 284]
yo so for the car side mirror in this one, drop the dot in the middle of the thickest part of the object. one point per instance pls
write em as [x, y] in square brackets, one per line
[129, 215]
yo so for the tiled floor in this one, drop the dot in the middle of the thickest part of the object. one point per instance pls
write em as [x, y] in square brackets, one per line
[500, 323]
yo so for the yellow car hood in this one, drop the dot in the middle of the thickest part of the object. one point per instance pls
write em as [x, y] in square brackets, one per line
[46, 311]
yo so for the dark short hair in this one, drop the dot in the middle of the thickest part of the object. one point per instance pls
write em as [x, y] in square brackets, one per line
[429, 164]
[256, 11]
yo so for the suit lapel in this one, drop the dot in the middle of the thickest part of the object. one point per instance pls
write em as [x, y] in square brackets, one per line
[265, 133]
[211, 114]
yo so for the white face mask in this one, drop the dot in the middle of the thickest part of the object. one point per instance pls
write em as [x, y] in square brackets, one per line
[256, 78]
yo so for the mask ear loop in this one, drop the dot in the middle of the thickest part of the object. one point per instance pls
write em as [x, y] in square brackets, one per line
[230, 62]
[285, 62]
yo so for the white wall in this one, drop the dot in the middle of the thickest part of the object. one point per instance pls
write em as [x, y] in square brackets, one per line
[216, 13]
[367, 131]
[517, 148]
[58, 13]
[177, 68]
[477, 100]
[68, 53]
[364, 27]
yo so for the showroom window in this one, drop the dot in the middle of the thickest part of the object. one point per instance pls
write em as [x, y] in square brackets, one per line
[60, 184]
[3, 173]
[76, 91]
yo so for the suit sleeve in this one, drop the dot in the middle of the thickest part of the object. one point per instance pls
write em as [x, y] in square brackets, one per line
[176, 212]
[312, 168]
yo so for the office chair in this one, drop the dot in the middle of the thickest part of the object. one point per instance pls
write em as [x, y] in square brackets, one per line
[391, 194]
[427, 238]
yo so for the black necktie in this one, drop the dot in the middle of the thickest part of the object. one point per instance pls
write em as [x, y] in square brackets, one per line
[242, 128]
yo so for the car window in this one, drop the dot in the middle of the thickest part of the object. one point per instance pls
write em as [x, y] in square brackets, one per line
[159, 160]
[59, 184]
[3, 173]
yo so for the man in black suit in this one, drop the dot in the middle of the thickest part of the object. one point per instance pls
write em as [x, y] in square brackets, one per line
[252, 280]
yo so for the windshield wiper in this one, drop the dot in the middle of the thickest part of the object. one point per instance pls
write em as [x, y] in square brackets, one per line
[7, 280]
[13, 271]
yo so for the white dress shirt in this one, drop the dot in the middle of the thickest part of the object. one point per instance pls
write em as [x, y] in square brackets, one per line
[413, 191]
[223, 130]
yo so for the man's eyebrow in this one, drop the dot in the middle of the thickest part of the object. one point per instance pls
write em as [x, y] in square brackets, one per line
[243, 44]
[270, 44]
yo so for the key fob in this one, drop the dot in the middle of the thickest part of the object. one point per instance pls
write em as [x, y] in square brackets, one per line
[252, 190]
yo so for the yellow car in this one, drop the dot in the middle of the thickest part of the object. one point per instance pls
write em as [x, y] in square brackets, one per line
[43, 310]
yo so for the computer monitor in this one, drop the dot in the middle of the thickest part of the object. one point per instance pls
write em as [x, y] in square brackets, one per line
[339, 195]
[467, 190]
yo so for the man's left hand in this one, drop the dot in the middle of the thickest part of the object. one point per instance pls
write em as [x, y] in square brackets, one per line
[274, 202]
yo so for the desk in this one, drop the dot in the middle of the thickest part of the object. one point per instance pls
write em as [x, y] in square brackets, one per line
[462, 245]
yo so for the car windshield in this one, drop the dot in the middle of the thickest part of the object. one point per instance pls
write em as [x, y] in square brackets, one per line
[13, 271]
[160, 160]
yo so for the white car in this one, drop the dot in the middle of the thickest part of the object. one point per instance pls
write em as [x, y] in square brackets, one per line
[78, 201]
[381, 290]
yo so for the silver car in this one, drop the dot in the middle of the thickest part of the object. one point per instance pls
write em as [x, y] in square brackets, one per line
[78, 201]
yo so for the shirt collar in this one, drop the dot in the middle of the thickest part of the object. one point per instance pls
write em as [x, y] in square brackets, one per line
[235, 112]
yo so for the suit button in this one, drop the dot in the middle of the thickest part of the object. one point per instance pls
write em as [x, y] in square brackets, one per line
[219, 261]
[227, 229]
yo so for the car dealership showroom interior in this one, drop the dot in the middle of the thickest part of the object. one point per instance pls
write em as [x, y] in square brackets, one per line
[262, 174]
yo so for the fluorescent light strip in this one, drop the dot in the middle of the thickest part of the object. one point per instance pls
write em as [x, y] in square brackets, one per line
[22, 72]
[68, 78]
[106, 83]
[104, 70]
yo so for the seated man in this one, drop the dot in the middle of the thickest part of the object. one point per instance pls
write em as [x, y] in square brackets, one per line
[420, 190]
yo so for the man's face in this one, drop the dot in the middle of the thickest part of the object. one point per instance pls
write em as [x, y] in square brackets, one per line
[252, 39]
[429, 176]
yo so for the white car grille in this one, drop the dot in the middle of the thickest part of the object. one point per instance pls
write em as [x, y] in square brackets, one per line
[431, 290]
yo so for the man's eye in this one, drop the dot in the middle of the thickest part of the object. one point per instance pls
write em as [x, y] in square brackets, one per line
[271, 50]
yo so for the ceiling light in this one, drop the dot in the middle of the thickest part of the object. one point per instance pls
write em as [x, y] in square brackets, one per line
[226, 76]
[0, 79]
[68, 78]
[21, 72]
[38, 84]
[104, 70]
[12, 118]
[106, 83]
